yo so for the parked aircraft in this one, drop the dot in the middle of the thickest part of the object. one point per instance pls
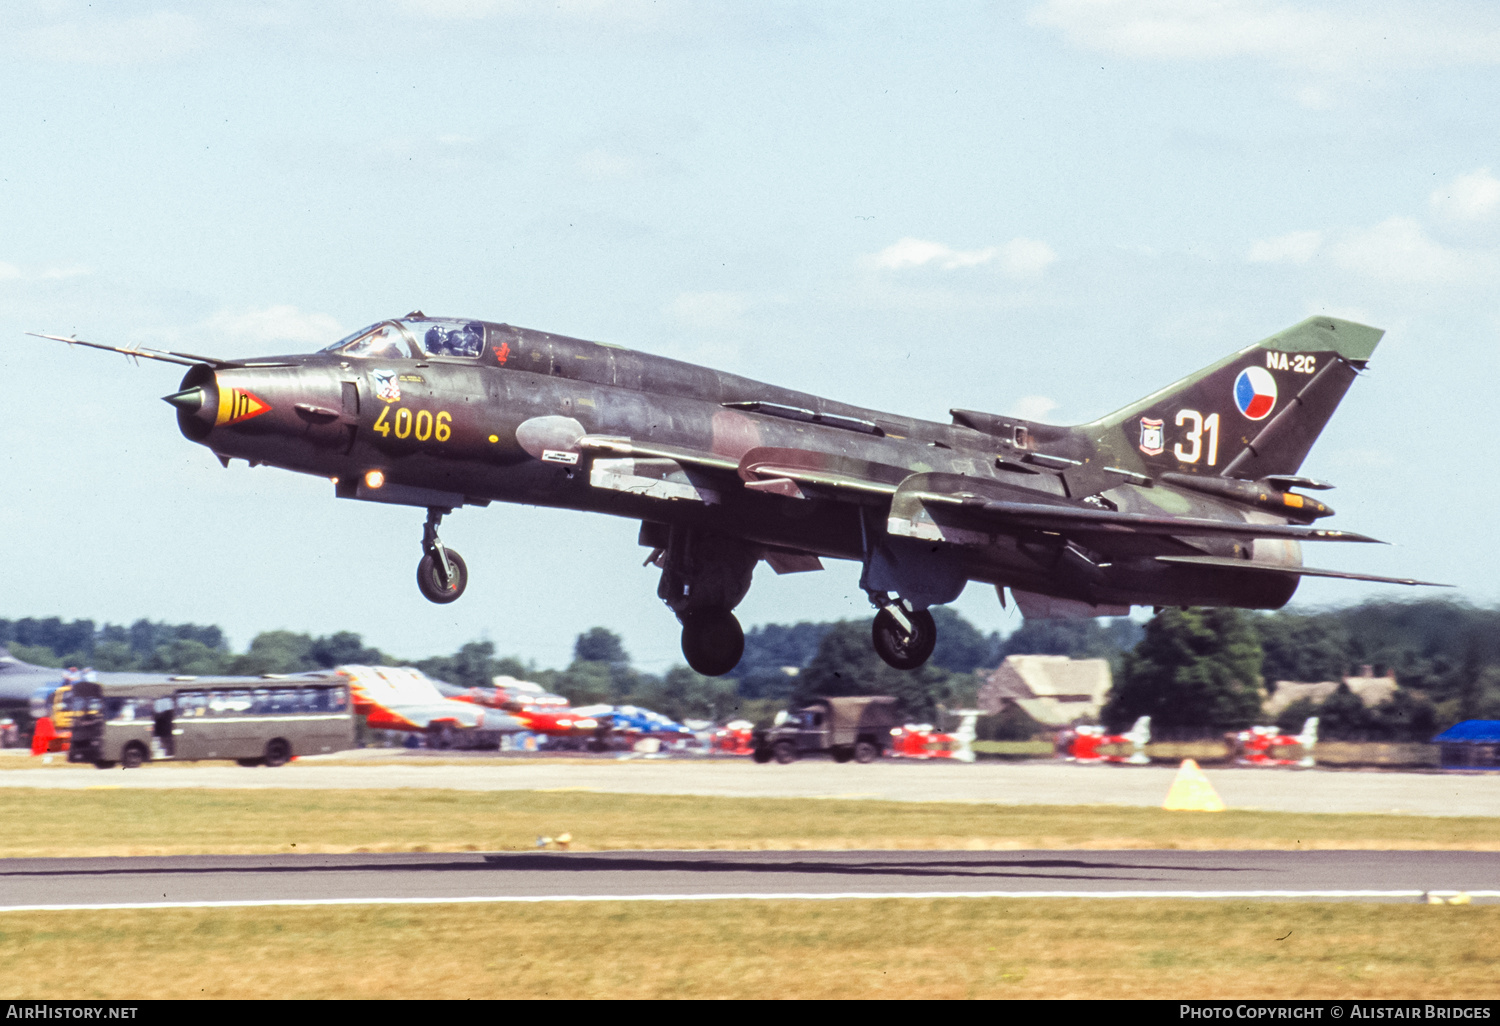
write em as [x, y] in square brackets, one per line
[538, 710]
[405, 698]
[1186, 497]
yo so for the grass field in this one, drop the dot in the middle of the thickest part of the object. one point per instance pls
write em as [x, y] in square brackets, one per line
[46, 822]
[950, 948]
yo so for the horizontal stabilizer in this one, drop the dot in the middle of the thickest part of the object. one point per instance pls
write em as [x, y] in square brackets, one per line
[1300, 571]
[1059, 518]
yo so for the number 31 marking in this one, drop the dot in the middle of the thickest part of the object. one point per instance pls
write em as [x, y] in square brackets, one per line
[1194, 437]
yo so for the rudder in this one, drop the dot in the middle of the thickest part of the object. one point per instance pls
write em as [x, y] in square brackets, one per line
[1251, 415]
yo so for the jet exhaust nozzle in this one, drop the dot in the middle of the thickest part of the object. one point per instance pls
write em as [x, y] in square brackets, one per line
[189, 400]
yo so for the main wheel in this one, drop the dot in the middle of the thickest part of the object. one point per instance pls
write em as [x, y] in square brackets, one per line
[430, 578]
[247, 763]
[864, 751]
[712, 641]
[896, 647]
[785, 752]
[104, 763]
[278, 752]
[761, 755]
[842, 754]
[133, 756]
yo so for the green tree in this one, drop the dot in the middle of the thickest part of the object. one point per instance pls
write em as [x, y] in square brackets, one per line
[1302, 648]
[846, 664]
[583, 683]
[684, 694]
[274, 652]
[960, 646]
[1194, 669]
[192, 658]
[600, 645]
[1081, 639]
[343, 648]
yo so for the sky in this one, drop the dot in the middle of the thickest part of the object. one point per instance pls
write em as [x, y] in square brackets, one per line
[1046, 209]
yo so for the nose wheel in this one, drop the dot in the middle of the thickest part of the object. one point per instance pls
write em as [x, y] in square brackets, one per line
[903, 637]
[441, 575]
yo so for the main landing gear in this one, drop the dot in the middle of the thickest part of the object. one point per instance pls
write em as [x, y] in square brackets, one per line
[441, 575]
[903, 636]
[704, 575]
[712, 641]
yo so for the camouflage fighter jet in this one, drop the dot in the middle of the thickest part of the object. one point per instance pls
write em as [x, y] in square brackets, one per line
[1186, 497]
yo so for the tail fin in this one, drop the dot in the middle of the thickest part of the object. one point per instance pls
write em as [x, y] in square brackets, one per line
[1253, 414]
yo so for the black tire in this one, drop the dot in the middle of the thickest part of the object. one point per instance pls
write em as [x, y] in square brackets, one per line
[866, 751]
[712, 641]
[104, 764]
[441, 736]
[893, 645]
[785, 752]
[134, 755]
[248, 763]
[278, 752]
[761, 755]
[842, 754]
[430, 579]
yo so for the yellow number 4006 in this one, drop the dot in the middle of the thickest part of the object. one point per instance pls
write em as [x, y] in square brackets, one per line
[424, 425]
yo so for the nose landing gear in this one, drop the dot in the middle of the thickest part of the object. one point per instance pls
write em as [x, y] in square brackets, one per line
[441, 575]
[904, 637]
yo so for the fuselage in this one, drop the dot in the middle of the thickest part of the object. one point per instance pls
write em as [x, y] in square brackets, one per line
[499, 417]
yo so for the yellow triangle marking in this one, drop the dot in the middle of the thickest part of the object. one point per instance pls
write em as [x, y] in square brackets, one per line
[1191, 791]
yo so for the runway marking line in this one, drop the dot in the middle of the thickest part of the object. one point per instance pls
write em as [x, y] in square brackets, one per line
[786, 896]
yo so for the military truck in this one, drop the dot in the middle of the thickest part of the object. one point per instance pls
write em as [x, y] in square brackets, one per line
[846, 728]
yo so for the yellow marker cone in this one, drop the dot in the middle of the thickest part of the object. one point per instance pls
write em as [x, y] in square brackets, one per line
[1191, 791]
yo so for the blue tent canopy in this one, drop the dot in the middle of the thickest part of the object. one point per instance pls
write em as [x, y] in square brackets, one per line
[1484, 732]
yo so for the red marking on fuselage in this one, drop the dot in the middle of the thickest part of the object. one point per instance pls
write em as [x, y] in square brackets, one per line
[503, 353]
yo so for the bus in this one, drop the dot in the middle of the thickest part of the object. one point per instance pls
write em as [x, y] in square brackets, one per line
[265, 721]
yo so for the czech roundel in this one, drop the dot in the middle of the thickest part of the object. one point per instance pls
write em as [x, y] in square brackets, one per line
[1255, 392]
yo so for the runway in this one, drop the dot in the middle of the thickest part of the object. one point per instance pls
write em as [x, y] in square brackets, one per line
[426, 878]
[1030, 783]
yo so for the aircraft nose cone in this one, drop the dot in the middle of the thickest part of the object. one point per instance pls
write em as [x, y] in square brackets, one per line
[189, 400]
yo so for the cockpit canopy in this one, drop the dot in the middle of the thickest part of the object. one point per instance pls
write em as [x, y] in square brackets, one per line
[413, 337]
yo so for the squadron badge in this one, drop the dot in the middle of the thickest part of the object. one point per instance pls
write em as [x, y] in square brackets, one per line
[387, 390]
[1151, 436]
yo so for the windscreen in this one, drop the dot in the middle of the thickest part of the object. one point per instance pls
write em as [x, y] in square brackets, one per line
[413, 338]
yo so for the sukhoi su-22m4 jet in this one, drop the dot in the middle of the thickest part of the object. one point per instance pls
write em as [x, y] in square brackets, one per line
[1190, 496]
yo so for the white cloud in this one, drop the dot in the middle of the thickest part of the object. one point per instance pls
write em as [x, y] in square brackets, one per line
[1026, 258]
[911, 252]
[9, 272]
[274, 324]
[708, 311]
[1295, 248]
[1358, 36]
[1019, 258]
[1032, 407]
[1471, 197]
[144, 38]
[1399, 251]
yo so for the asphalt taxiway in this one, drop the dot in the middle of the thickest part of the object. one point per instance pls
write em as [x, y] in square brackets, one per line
[1000, 783]
[423, 878]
